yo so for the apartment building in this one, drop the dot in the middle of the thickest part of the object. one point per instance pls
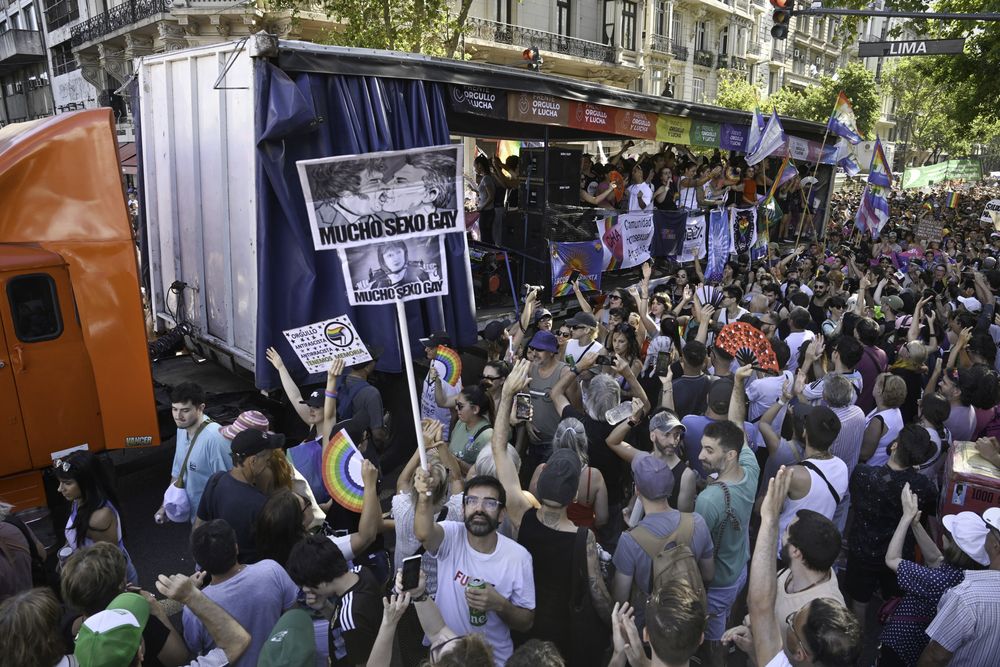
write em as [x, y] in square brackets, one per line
[25, 91]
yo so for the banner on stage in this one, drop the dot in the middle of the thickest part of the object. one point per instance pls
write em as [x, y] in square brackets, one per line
[719, 242]
[694, 238]
[354, 200]
[744, 229]
[583, 257]
[626, 240]
[391, 271]
[317, 345]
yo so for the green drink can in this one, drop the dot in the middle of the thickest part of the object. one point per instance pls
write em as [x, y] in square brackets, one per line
[477, 617]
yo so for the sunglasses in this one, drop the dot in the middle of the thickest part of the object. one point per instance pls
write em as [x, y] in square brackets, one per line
[615, 296]
[563, 333]
[62, 464]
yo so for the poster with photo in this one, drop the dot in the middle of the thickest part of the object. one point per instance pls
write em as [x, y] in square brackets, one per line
[396, 270]
[354, 200]
[318, 344]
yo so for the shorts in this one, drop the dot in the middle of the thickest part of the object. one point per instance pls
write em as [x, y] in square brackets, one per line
[720, 602]
[865, 577]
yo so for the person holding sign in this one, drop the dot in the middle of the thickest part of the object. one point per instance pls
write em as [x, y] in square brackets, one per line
[451, 385]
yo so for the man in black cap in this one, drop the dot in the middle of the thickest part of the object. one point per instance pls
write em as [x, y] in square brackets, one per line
[231, 495]
[583, 348]
[430, 407]
[360, 402]
[498, 341]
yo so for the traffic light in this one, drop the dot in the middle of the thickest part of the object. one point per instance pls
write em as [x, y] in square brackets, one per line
[782, 16]
[533, 57]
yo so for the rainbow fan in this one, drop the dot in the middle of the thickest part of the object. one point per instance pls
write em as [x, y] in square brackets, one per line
[452, 364]
[341, 465]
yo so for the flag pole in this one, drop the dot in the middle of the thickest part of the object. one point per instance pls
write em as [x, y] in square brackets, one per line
[404, 338]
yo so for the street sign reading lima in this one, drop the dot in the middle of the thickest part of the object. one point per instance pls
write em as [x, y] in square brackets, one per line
[919, 47]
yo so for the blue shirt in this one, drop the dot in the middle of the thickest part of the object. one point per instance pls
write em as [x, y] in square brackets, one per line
[209, 456]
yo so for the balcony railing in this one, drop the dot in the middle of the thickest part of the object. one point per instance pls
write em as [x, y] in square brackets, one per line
[737, 63]
[722, 62]
[124, 15]
[680, 52]
[704, 58]
[778, 55]
[753, 49]
[515, 35]
[662, 44]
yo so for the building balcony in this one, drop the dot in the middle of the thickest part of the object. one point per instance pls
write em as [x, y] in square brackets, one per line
[704, 58]
[19, 48]
[662, 44]
[754, 52]
[722, 62]
[118, 18]
[485, 30]
[680, 52]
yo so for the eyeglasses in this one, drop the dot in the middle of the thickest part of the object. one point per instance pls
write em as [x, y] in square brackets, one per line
[790, 622]
[491, 504]
[62, 464]
[615, 296]
[563, 334]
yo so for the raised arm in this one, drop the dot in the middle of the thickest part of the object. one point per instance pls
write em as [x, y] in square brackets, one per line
[288, 384]
[859, 304]
[704, 323]
[624, 368]
[580, 299]
[914, 331]
[766, 424]
[616, 439]
[442, 399]
[394, 607]
[517, 504]
[224, 630]
[763, 587]
[370, 523]
[738, 405]
[667, 393]
[330, 401]
[425, 528]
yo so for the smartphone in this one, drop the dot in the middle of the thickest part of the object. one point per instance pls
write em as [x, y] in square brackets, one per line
[522, 409]
[662, 363]
[574, 276]
[899, 275]
[411, 572]
[604, 360]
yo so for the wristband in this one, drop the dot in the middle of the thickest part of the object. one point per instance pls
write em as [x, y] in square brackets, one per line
[422, 598]
[576, 371]
[330, 394]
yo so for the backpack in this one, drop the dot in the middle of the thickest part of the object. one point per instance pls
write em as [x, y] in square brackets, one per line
[671, 556]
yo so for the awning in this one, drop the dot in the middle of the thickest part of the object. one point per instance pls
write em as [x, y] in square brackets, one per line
[127, 158]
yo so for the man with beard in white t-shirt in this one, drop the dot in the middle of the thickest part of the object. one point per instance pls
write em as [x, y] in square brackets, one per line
[475, 551]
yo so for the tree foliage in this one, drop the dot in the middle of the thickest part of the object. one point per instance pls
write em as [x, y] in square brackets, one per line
[816, 102]
[735, 92]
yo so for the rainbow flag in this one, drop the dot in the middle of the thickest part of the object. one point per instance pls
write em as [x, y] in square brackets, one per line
[452, 363]
[341, 468]
[842, 121]
[873, 212]
[952, 199]
[926, 208]
[786, 172]
[879, 173]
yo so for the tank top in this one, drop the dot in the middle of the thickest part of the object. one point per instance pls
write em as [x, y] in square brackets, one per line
[580, 513]
[819, 499]
[545, 417]
[893, 420]
[678, 472]
[551, 554]
[70, 532]
[688, 198]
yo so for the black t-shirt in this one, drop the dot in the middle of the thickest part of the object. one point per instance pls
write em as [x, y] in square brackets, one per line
[355, 624]
[601, 457]
[691, 394]
[238, 503]
[817, 312]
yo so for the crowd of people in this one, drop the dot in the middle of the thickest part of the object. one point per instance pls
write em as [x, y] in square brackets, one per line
[614, 488]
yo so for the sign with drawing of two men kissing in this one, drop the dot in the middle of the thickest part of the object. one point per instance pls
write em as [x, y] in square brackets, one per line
[386, 214]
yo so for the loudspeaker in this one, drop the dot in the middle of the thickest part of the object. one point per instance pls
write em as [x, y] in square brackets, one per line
[564, 164]
[536, 197]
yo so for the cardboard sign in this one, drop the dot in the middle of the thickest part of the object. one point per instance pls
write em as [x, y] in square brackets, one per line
[355, 200]
[929, 228]
[694, 238]
[317, 345]
[991, 214]
[393, 271]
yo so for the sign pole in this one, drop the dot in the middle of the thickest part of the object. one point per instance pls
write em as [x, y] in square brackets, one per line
[404, 337]
[807, 213]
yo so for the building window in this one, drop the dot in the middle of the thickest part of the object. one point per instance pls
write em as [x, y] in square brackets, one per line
[701, 36]
[562, 17]
[609, 23]
[724, 40]
[628, 24]
[674, 83]
[677, 29]
[697, 89]
[661, 18]
[60, 12]
[63, 60]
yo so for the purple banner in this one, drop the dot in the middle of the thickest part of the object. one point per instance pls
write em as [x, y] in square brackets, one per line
[734, 137]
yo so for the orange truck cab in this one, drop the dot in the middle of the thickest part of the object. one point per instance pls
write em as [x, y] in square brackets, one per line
[74, 366]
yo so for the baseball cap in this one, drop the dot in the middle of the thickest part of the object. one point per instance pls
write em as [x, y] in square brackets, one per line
[653, 478]
[665, 421]
[560, 478]
[494, 330]
[291, 642]
[544, 340]
[969, 531]
[435, 339]
[314, 400]
[250, 419]
[719, 395]
[893, 302]
[252, 442]
[111, 638]
[540, 314]
[582, 319]
[992, 517]
[971, 303]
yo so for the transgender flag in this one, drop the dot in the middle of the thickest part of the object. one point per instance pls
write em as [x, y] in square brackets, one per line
[873, 212]
[842, 121]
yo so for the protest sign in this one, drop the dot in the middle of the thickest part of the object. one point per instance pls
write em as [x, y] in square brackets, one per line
[669, 228]
[583, 257]
[931, 174]
[928, 228]
[991, 214]
[395, 270]
[354, 200]
[744, 229]
[719, 243]
[626, 240]
[694, 238]
[318, 344]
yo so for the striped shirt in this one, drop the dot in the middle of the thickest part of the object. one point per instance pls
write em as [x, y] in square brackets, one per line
[847, 446]
[968, 620]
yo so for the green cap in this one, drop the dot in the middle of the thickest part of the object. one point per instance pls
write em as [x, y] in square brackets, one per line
[292, 642]
[111, 638]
